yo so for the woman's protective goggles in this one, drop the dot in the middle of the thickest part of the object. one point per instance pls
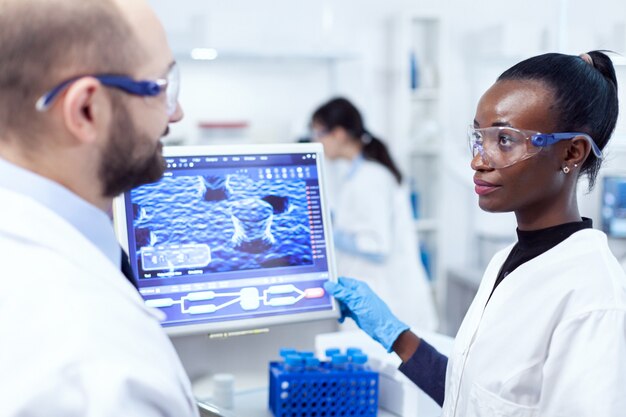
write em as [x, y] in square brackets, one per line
[146, 88]
[501, 147]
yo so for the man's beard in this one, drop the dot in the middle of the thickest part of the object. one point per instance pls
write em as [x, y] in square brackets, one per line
[120, 169]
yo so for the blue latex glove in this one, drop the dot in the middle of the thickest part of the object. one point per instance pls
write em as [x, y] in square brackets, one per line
[371, 314]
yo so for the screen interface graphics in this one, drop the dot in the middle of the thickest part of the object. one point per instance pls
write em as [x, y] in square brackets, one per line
[230, 237]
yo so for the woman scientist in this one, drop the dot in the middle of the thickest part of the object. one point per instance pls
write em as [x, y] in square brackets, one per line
[374, 234]
[546, 333]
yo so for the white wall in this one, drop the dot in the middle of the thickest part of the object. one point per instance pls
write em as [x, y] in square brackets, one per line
[273, 96]
[285, 76]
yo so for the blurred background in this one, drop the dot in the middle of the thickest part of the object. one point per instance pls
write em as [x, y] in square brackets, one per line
[253, 72]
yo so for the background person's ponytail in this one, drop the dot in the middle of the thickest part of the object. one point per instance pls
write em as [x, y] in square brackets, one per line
[339, 112]
[375, 150]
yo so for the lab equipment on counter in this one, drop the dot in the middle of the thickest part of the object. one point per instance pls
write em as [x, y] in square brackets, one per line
[304, 386]
[224, 390]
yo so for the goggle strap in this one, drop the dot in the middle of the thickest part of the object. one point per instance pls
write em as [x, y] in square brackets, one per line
[547, 139]
[140, 88]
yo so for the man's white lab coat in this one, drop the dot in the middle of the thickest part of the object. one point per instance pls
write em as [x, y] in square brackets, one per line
[551, 341]
[77, 339]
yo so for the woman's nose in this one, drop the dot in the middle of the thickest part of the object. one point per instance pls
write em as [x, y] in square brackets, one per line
[478, 162]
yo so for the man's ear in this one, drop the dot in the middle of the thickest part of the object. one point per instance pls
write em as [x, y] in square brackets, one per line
[83, 109]
[577, 151]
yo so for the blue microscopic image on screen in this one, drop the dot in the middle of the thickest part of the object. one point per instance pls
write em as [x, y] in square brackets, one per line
[221, 223]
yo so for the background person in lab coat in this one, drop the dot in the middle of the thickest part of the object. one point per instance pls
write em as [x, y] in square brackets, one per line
[372, 223]
[546, 333]
[77, 339]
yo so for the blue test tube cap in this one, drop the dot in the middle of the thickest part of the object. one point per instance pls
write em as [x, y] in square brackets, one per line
[306, 354]
[351, 351]
[359, 358]
[287, 351]
[294, 360]
[330, 352]
[311, 362]
[339, 359]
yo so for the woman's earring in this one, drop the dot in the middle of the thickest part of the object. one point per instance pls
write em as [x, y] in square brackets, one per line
[575, 165]
[565, 169]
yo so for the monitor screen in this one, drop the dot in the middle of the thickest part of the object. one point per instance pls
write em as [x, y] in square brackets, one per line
[613, 208]
[232, 237]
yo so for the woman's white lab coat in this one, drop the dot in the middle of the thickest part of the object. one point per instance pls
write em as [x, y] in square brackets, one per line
[77, 339]
[374, 211]
[551, 341]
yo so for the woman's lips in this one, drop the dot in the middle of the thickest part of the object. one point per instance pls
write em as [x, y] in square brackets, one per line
[484, 187]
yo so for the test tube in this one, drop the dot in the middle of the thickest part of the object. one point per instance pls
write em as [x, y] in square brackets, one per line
[358, 361]
[311, 364]
[293, 363]
[330, 352]
[339, 362]
[287, 351]
[353, 350]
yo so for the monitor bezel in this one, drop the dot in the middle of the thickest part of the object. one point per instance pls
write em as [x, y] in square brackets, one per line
[119, 217]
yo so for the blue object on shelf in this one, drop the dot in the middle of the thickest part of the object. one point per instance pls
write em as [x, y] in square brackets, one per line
[323, 392]
[413, 71]
[415, 202]
[425, 257]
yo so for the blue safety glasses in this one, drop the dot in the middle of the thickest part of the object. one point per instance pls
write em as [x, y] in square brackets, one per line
[145, 88]
[501, 147]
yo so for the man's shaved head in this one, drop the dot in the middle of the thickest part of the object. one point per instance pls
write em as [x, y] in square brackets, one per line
[43, 42]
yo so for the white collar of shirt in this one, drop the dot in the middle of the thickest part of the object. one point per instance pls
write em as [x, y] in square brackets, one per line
[89, 220]
[355, 164]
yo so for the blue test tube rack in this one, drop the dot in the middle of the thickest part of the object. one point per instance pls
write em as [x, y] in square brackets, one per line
[326, 390]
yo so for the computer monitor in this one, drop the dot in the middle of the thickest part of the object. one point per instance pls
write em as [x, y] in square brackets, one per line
[232, 237]
[613, 206]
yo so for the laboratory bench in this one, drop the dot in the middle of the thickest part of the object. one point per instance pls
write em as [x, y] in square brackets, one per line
[397, 395]
[252, 403]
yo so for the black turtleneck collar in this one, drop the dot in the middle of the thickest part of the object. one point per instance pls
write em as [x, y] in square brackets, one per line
[531, 244]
